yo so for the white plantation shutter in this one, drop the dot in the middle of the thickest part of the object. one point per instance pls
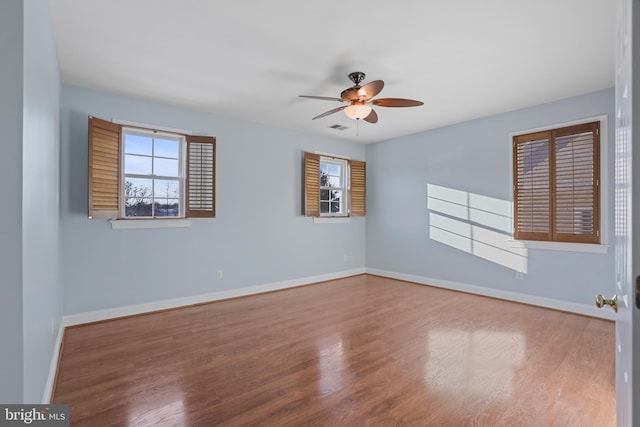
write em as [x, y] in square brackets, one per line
[200, 183]
[557, 186]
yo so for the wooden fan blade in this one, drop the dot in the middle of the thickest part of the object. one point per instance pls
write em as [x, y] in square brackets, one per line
[396, 102]
[372, 117]
[371, 89]
[325, 98]
[327, 113]
[350, 94]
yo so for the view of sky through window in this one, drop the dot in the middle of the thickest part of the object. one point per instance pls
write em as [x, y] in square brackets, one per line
[152, 175]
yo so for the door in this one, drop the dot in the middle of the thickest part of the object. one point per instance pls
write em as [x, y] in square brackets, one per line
[627, 261]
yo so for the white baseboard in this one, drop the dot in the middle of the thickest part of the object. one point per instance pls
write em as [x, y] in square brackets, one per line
[556, 304]
[53, 367]
[112, 313]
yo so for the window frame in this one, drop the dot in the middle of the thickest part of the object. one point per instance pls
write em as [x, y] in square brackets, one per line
[182, 143]
[603, 245]
[344, 187]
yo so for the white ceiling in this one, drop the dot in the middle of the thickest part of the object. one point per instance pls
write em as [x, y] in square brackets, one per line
[251, 59]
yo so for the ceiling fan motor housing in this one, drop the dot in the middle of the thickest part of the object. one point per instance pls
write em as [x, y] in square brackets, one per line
[357, 77]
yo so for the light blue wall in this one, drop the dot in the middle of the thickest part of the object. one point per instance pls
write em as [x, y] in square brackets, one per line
[258, 236]
[471, 160]
[30, 244]
[42, 291]
[11, 43]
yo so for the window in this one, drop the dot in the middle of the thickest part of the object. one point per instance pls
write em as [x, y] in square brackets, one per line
[145, 173]
[334, 187]
[557, 184]
[152, 174]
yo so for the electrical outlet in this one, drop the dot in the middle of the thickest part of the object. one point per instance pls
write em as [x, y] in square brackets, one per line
[219, 275]
[346, 258]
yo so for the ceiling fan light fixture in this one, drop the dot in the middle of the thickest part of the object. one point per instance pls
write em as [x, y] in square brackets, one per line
[357, 111]
[356, 100]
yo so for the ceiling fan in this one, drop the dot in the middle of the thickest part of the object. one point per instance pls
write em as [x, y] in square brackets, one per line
[357, 100]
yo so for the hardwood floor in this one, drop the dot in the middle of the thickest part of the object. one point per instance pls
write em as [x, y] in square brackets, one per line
[361, 351]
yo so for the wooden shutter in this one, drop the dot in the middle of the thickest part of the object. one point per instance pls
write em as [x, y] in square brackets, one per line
[311, 184]
[576, 176]
[358, 188]
[532, 196]
[557, 185]
[200, 183]
[104, 168]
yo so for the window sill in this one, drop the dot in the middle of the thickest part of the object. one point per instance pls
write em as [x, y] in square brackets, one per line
[331, 219]
[125, 224]
[560, 246]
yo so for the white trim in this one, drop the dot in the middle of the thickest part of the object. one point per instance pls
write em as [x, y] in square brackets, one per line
[331, 219]
[560, 246]
[151, 127]
[602, 118]
[53, 366]
[112, 313]
[552, 303]
[604, 175]
[335, 156]
[128, 224]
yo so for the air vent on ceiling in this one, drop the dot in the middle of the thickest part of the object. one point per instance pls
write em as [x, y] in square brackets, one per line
[338, 127]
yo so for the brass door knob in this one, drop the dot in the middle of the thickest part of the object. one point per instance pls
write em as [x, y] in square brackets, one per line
[611, 302]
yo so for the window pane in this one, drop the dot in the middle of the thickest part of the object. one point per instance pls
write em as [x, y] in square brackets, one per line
[334, 169]
[324, 207]
[166, 207]
[137, 188]
[324, 195]
[136, 144]
[139, 165]
[335, 207]
[165, 167]
[324, 179]
[166, 148]
[154, 157]
[335, 196]
[137, 207]
[164, 188]
[324, 168]
[334, 181]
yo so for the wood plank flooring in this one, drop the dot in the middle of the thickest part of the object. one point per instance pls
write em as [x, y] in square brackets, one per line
[361, 351]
